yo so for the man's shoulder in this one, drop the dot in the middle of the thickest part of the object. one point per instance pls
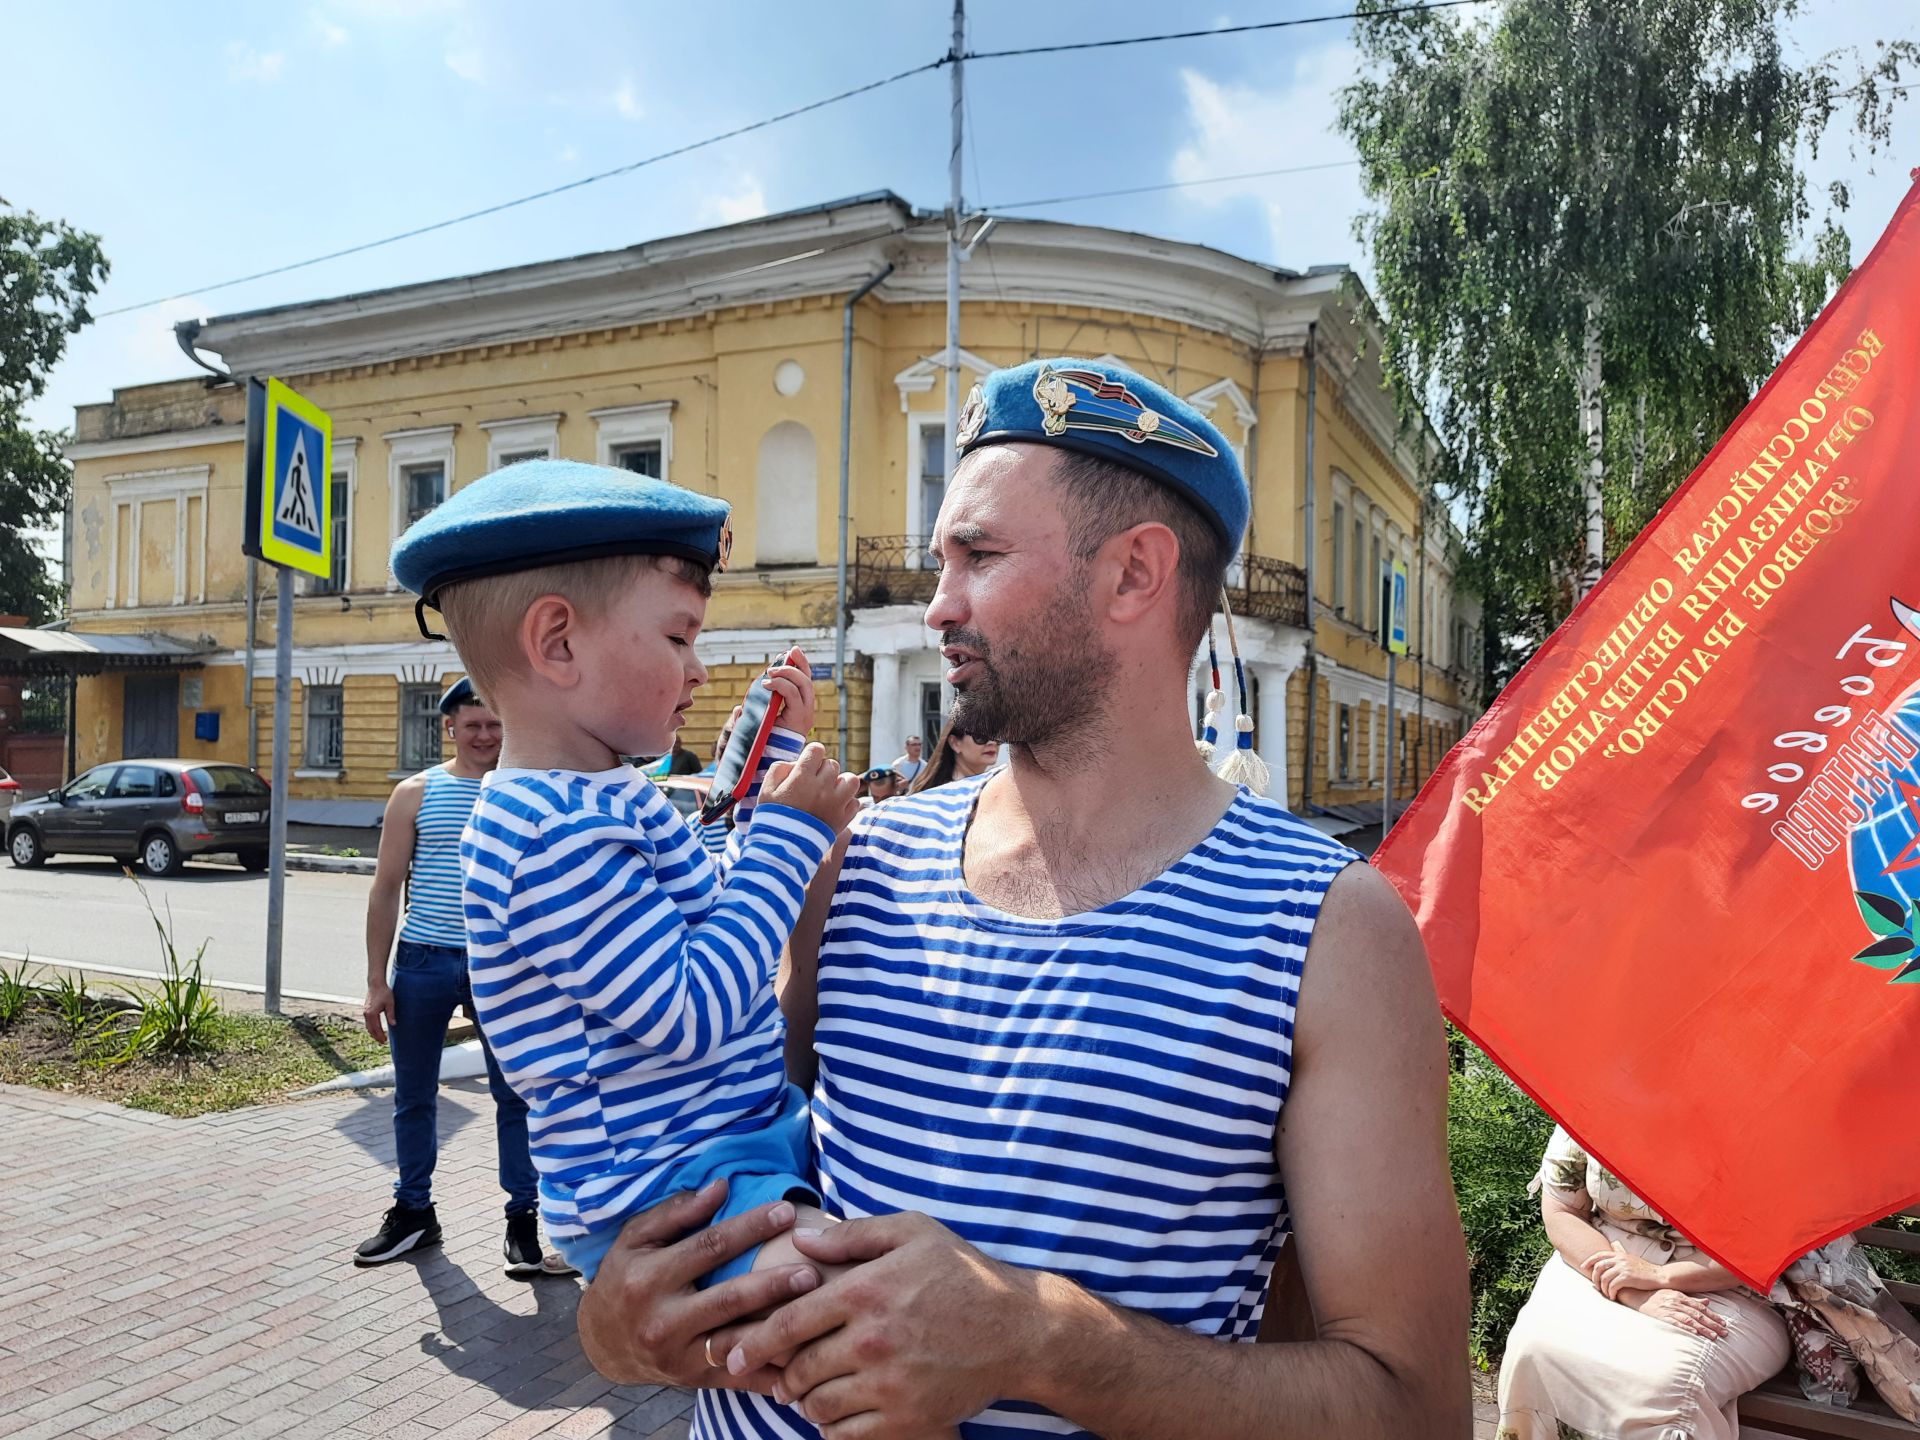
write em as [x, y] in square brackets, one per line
[908, 821]
[1259, 830]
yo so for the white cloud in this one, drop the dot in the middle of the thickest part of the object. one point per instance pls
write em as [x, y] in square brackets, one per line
[626, 101]
[246, 63]
[747, 201]
[568, 155]
[1237, 129]
[331, 35]
[469, 62]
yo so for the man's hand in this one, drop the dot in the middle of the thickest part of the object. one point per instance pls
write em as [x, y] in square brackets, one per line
[1684, 1312]
[643, 1322]
[792, 681]
[377, 1013]
[1615, 1272]
[925, 1333]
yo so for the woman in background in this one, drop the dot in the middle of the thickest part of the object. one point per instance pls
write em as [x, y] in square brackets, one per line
[956, 755]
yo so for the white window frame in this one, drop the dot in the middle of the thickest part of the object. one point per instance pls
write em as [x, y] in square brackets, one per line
[1337, 561]
[918, 423]
[522, 436]
[432, 444]
[131, 492]
[624, 425]
[346, 462]
[307, 717]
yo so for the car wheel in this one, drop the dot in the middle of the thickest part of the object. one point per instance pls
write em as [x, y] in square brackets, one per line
[160, 855]
[24, 848]
[253, 860]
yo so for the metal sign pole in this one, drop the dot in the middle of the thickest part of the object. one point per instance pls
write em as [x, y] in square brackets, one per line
[1386, 801]
[277, 822]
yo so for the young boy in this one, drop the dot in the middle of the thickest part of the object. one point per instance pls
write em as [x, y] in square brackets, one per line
[625, 981]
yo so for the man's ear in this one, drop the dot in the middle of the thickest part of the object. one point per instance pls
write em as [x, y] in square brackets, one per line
[1142, 573]
[547, 633]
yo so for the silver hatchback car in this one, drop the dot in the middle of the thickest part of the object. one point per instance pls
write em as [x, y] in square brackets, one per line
[158, 812]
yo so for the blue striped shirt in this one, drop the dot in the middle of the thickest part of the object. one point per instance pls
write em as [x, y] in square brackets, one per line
[1096, 1096]
[627, 992]
[434, 914]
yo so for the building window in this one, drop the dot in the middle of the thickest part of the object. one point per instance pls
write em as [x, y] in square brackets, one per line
[1377, 608]
[525, 437]
[1343, 742]
[641, 459]
[325, 723]
[335, 581]
[1339, 555]
[425, 487]
[933, 474]
[932, 720]
[636, 437]
[419, 726]
[1357, 596]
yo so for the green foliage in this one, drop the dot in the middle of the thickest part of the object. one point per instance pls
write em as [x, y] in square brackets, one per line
[48, 270]
[1549, 171]
[1495, 1136]
[15, 994]
[70, 1000]
[180, 1019]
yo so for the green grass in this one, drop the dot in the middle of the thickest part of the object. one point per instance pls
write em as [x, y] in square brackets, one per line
[252, 1060]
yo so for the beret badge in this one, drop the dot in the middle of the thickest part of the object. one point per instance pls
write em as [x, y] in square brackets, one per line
[973, 418]
[1071, 399]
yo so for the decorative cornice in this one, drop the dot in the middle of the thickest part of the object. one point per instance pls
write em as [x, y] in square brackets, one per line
[147, 444]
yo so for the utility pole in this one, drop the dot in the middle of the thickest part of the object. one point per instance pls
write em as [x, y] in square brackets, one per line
[955, 208]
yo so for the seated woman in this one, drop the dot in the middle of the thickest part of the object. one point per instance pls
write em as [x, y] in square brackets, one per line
[1631, 1333]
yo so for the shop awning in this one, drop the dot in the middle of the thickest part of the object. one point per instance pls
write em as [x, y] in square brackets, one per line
[28, 654]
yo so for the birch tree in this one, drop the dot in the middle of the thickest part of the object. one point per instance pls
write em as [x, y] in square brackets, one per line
[1592, 237]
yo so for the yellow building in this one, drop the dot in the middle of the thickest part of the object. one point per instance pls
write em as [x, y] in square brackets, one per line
[714, 360]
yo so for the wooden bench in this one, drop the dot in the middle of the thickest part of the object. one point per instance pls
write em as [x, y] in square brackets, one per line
[1778, 1408]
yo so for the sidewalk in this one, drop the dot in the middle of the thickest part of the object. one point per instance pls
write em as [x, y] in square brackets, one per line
[190, 1278]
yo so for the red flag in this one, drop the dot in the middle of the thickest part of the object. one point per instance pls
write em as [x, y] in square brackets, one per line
[1669, 880]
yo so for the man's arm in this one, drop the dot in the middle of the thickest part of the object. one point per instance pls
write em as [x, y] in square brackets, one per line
[930, 1331]
[800, 968]
[390, 868]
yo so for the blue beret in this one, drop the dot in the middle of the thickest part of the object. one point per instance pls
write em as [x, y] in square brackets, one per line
[458, 694]
[1109, 412]
[547, 512]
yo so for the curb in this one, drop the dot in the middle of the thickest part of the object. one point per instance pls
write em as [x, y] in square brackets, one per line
[331, 864]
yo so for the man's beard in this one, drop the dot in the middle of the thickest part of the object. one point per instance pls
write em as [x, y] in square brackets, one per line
[1046, 681]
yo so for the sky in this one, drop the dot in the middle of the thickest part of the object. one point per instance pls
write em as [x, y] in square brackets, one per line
[210, 142]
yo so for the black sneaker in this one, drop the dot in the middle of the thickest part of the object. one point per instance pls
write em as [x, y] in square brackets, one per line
[403, 1230]
[524, 1256]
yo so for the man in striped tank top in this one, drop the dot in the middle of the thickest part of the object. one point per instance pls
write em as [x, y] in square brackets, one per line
[1091, 1037]
[420, 856]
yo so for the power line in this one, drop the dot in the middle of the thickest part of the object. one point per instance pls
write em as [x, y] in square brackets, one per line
[770, 120]
[538, 194]
[1222, 30]
[1169, 185]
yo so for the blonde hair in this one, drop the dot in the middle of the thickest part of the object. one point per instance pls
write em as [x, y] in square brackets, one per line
[483, 616]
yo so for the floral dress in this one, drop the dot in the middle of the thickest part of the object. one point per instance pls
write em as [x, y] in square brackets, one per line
[1582, 1367]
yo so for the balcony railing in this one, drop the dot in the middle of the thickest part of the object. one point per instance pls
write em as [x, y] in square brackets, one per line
[892, 570]
[897, 570]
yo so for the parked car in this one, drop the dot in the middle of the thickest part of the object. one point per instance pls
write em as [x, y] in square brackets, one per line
[158, 812]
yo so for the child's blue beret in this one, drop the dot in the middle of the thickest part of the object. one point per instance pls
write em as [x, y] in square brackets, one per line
[547, 512]
[1112, 413]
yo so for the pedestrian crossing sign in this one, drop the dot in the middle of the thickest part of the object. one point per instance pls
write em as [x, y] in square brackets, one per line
[289, 464]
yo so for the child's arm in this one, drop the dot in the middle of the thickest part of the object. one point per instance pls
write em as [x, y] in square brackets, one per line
[588, 911]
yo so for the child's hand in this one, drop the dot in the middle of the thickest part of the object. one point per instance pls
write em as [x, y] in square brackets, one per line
[815, 784]
[792, 681]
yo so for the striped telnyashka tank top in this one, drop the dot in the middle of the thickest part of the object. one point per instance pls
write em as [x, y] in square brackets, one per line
[1096, 1096]
[434, 912]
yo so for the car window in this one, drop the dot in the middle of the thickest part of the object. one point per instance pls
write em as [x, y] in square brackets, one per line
[92, 785]
[685, 799]
[135, 782]
[228, 780]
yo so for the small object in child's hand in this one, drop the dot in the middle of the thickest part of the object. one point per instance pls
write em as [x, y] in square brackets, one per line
[741, 759]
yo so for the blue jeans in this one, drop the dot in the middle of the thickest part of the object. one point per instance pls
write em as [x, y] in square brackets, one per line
[429, 984]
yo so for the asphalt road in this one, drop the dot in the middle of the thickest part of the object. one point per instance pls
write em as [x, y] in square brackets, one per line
[84, 912]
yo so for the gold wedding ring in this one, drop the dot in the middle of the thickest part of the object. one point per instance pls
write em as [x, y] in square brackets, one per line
[707, 1347]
